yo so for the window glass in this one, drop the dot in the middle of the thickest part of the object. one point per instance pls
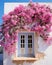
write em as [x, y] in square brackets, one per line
[29, 45]
[29, 36]
[22, 45]
[22, 41]
[29, 41]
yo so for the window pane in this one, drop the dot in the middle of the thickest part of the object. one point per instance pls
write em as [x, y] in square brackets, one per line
[29, 36]
[23, 41]
[23, 36]
[29, 45]
[29, 41]
[22, 45]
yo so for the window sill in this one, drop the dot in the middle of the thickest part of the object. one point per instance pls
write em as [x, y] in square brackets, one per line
[20, 60]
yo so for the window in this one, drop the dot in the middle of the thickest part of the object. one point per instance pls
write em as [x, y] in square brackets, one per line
[26, 44]
[22, 41]
[29, 41]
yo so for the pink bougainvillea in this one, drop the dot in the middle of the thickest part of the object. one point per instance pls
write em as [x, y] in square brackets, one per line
[33, 17]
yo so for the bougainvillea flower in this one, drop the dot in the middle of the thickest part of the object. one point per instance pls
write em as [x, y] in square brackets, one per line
[6, 17]
[33, 17]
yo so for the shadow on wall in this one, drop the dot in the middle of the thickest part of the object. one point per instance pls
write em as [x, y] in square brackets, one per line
[42, 45]
[47, 60]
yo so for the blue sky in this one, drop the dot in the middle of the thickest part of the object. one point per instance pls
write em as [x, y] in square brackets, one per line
[3, 1]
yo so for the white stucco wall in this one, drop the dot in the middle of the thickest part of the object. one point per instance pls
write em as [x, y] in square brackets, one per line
[47, 60]
[7, 60]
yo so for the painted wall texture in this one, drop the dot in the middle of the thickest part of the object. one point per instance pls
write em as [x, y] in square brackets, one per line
[47, 60]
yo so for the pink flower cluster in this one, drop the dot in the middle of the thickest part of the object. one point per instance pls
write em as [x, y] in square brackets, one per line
[33, 17]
